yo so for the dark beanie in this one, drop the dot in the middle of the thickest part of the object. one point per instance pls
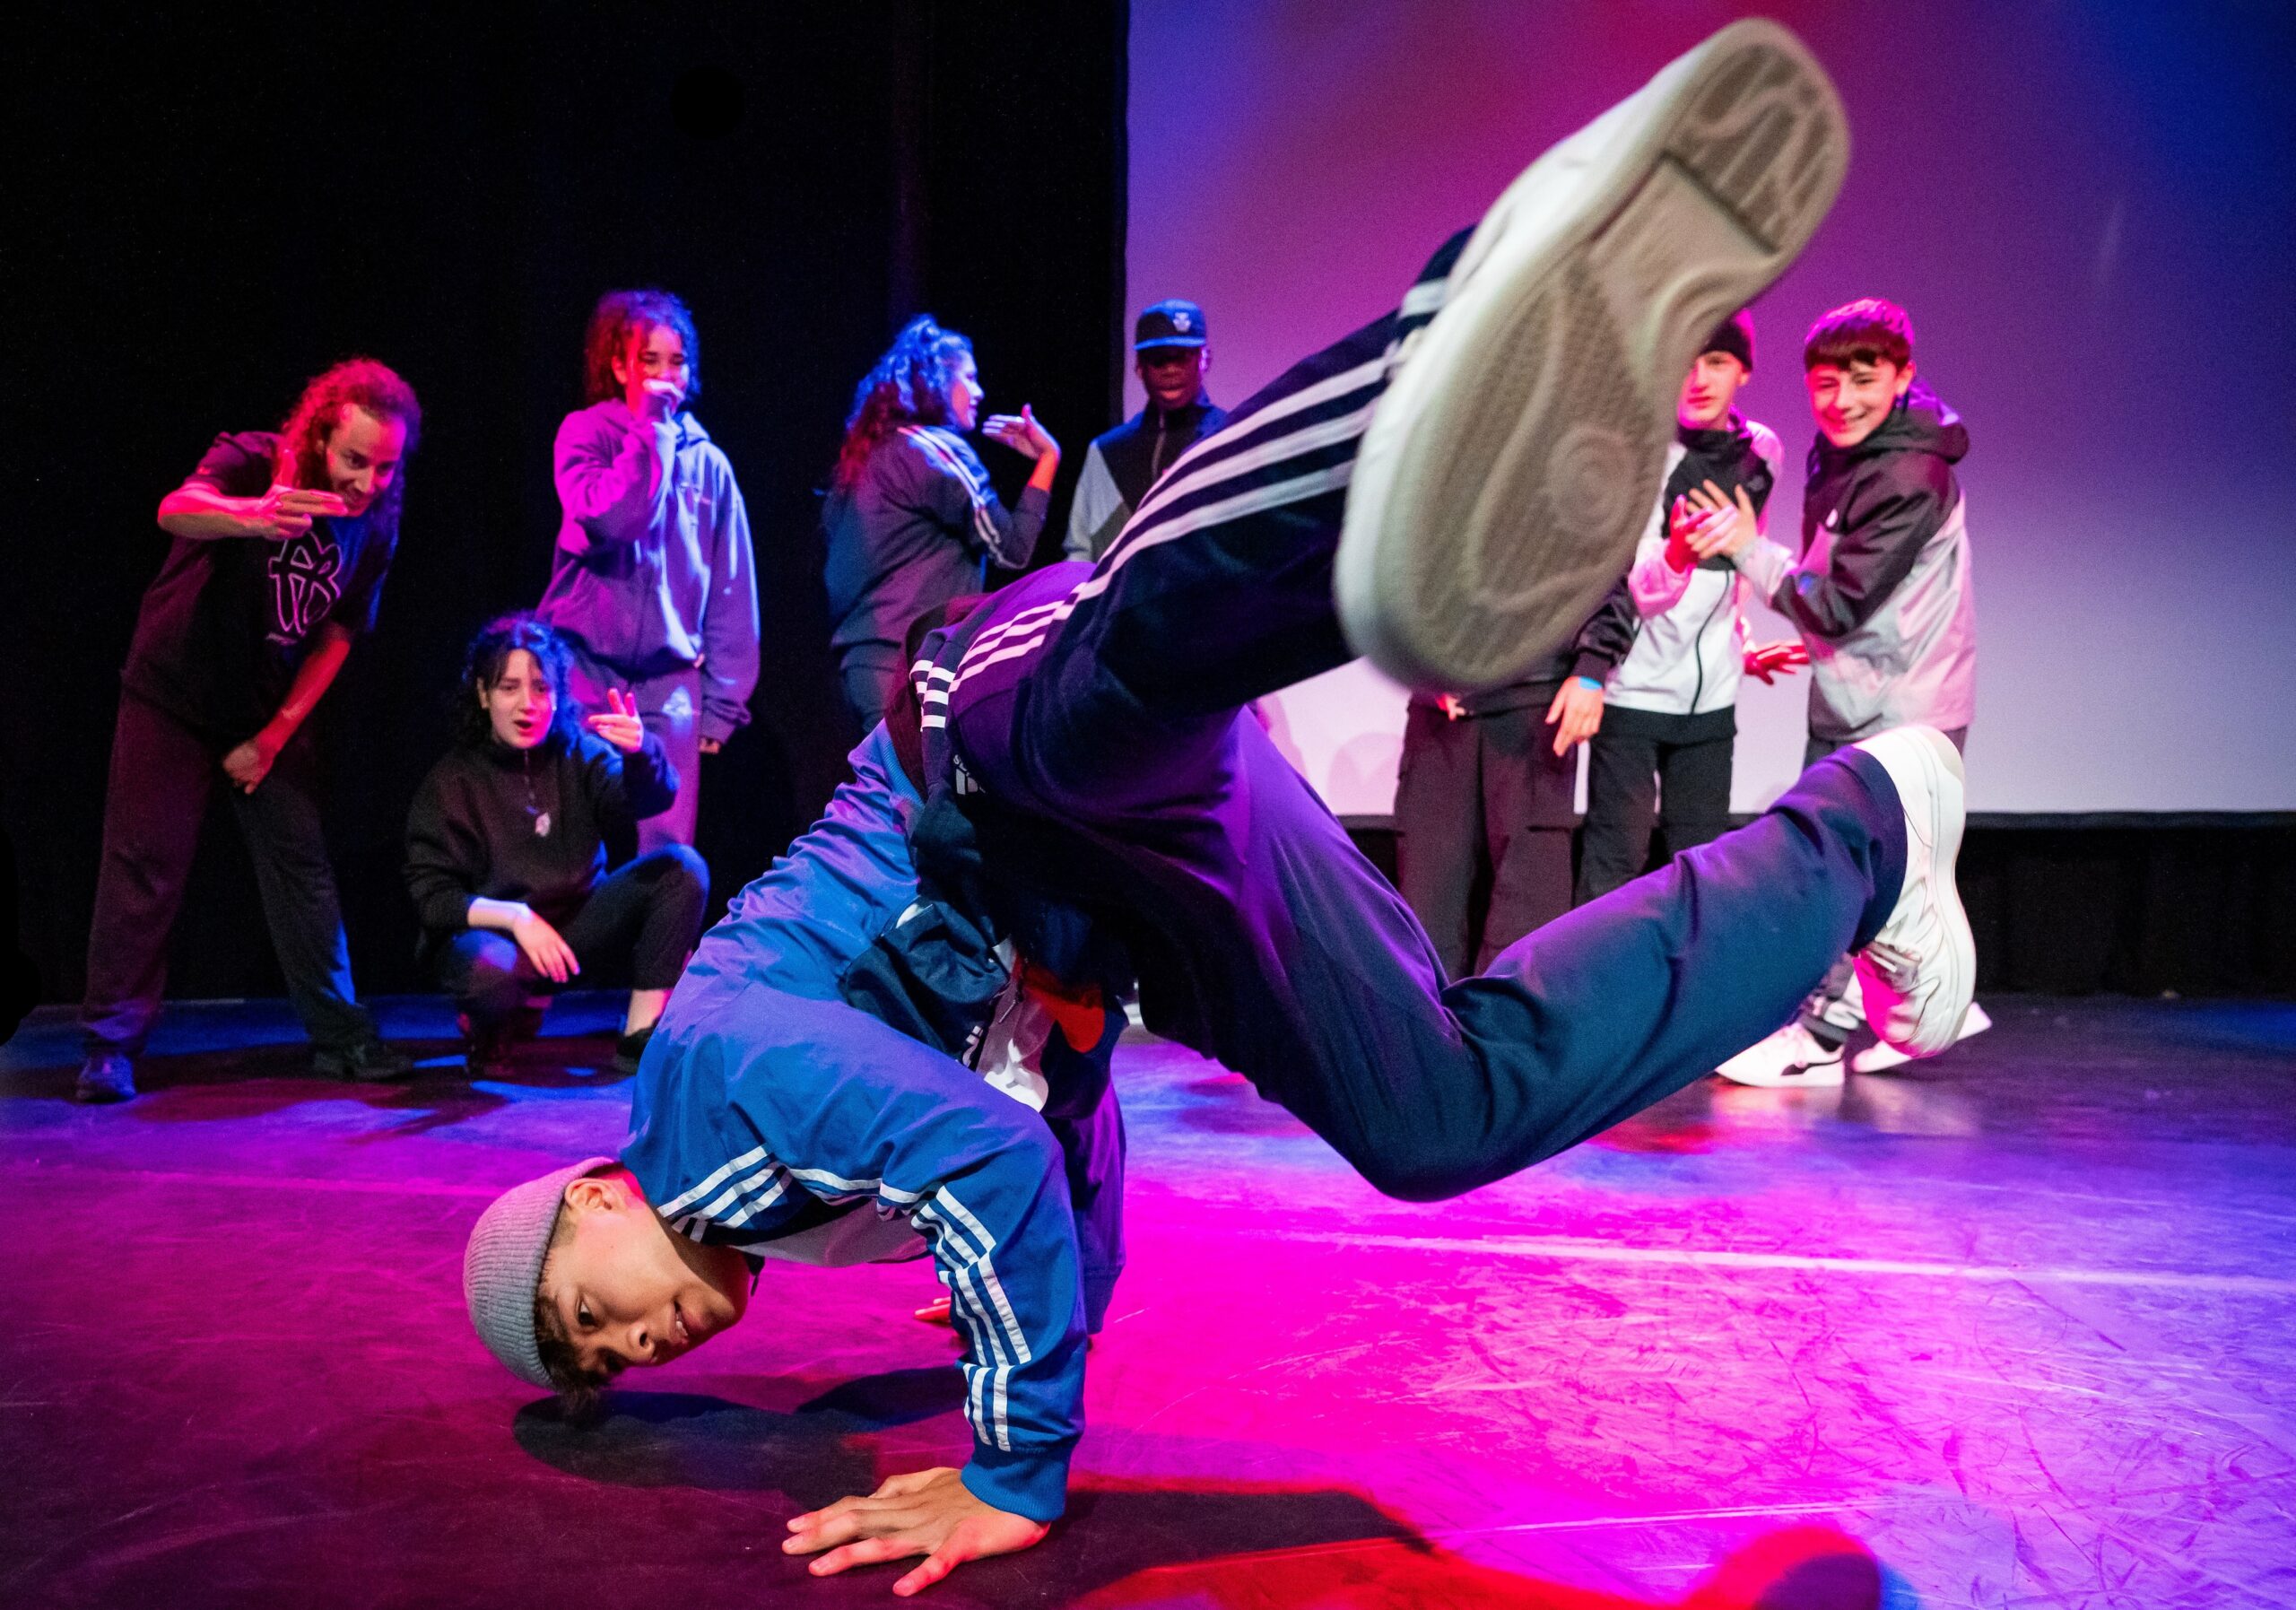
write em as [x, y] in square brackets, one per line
[1735, 336]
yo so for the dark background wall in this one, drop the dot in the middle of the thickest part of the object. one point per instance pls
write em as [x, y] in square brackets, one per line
[206, 206]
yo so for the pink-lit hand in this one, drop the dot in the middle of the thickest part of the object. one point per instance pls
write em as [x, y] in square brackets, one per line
[544, 950]
[1767, 660]
[286, 512]
[1020, 432]
[928, 1512]
[248, 763]
[618, 724]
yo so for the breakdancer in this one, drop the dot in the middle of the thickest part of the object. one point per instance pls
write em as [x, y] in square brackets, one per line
[1072, 796]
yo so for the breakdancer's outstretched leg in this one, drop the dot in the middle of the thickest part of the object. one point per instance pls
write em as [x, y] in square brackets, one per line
[1469, 467]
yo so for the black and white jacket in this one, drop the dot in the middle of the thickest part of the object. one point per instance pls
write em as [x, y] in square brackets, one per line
[1883, 593]
[1690, 645]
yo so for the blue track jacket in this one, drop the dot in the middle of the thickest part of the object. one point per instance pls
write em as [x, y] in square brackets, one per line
[778, 1093]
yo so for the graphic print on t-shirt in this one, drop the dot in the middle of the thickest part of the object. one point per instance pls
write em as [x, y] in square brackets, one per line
[304, 585]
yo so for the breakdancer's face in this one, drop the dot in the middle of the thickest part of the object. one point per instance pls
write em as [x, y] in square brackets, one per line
[519, 702]
[965, 394]
[624, 1289]
[1850, 401]
[1709, 390]
[362, 457]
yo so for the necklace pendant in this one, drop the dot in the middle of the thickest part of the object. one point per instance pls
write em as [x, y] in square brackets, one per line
[542, 825]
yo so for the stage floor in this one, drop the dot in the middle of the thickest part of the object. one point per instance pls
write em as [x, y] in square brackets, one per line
[2023, 1322]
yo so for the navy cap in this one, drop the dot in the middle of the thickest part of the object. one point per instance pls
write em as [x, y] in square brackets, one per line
[1173, 323]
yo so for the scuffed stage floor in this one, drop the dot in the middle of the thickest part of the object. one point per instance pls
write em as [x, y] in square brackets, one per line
[2024, 1322]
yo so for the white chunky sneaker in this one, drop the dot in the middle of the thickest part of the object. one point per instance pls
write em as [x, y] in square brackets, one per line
[1793, 1058]
[1920, 973]
[1507, 470]
[1881, 1057]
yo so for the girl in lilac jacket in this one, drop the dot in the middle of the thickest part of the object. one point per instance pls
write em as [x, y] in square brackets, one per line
[652, 582]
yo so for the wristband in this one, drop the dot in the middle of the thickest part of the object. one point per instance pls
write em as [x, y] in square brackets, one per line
[1590, 684]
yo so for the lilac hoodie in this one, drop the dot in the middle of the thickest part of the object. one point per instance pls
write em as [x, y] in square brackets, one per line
[653, 573]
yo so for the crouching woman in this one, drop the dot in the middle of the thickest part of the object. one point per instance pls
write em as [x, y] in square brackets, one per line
[506, 848]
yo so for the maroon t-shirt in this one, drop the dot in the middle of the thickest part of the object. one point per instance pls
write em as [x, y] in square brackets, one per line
[228, 619]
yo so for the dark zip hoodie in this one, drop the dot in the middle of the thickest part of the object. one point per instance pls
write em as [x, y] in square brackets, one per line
[495, 822]
[1883, 593]
[1122, 465]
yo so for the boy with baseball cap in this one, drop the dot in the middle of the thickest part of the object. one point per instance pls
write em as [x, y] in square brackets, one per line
[1171, 348]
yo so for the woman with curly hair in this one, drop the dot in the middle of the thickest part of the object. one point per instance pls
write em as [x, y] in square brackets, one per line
[505, 846]
[911, 519]
[282, 541]
[652, 583]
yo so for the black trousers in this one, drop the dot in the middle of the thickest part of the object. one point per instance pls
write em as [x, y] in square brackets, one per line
[1483, 829]
[162, 773]
[1646, 769]
[869, 685]
[650, 909]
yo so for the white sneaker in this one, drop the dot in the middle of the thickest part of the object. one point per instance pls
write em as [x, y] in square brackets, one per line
[1793, 1058]
[1881, 1057]
[1920, 973]
[1507, 470]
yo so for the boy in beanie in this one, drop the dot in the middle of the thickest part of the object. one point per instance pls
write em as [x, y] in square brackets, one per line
[1881, 595]
[1073, 793]
[1670, 711]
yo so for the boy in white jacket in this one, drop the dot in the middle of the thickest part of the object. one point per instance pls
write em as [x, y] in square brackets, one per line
[1662, 755]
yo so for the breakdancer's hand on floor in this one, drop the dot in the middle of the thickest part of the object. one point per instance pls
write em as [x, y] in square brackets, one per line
[928, 1512]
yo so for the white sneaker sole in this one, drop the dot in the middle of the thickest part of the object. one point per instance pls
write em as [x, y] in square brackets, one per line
[1512, 463]
[1927, 769]
[1816, 1075]
[1882, 1056]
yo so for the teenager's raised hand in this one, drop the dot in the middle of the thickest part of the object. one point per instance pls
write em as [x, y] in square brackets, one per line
[285, 512]
[1020, 432]
[928, 1512]
[1783, 658]
[619, 723]
[1725, 526]
[546, 952]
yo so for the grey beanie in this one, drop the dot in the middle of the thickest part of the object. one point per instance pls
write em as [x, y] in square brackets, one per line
[504, 1261]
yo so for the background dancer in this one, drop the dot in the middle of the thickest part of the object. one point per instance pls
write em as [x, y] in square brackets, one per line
[1662, 755]
[1485, 795]
[1882, 596]
[652, 582]
[1089, 774]
[505, 847]
[281, 542]
[911, 519]
[1171, 352]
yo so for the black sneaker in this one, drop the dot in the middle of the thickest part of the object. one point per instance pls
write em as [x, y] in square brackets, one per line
[369, 1062]
[106, 1076]
[630, 1048]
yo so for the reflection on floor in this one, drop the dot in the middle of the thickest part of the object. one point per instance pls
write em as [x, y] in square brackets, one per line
[2021, 1322]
